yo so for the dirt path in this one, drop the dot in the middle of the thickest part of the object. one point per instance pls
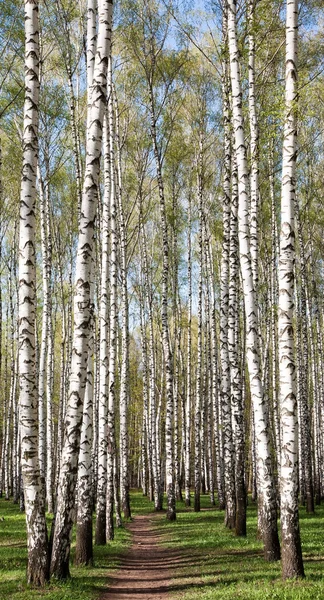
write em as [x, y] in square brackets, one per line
[147, 568]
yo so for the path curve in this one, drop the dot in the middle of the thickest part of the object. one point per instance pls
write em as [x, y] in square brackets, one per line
[146, 569]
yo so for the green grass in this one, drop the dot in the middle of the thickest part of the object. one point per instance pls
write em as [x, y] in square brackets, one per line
[214, 564]
[86, 583]
[211, 562]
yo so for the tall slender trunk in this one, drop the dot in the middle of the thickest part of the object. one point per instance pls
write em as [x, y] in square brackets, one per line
[266, 492]
[37, 543]
[254, 137]
[44, 336]
[188, 392]
[113, 316]
[209, 391]
[158, 498]
[84, 546]
[83, 304]
[124, 383]
[146, 474]
[224, 281]
[100, 536]
[219, 458]
[305, 426]
[292, 562]
[274, 318]
[236, 379]
[49, 369]
[199, 390]
[169, 466]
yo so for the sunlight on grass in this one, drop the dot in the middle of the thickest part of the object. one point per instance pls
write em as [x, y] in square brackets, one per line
[208, 561]
[86, 583]
[222, 566]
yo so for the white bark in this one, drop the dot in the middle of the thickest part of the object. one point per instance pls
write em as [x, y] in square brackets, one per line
[92, 9]
[84, 548]
[37, 570]
[254, 138]
[83, 306]
[235, 368]
[266, 496]
[171, 512]
[103, 350]
[292, 564]
[112, 316]
[188, 391]
[124, 383]
[217, 421]
[224, 281]
[152, 377]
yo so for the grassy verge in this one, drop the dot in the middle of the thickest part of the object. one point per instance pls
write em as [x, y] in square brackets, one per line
[214, 564]
[86, 583]
[211, 562]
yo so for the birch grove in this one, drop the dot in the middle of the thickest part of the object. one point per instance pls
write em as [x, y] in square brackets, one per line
[161, 313]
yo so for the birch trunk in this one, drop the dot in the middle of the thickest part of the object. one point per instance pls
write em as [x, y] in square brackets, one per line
[292, 563]
[152, 375]
[83, 307]
[37, 543]
[305, 427]
[224, 281]
[100, 536]
[146, 471]
[84, 546]
[236, 379]
[188, 392]
[274, 318]
[209, 368]
[215, 387]
[266, 492]
[113, 317]
[44, 336]
[254, 138]
[124, 383]
[169, 467]
[199, 391]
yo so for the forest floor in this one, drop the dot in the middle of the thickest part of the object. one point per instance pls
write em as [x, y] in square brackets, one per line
[147, 568]
[193, 558]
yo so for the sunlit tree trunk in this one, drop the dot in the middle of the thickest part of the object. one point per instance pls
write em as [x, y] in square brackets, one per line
[112, 317]
[305, 426]
[83, 307]
[100, 536]
[224, 281]
[199, 378]
[274, 317]
[171, 511]
[254, 137]
[152, 378]
[266, 492]
[236, 379]
[84, 546]
[217, 420]
[124, 380]
[292, 563]
[188, 391]
[37, 543]
[44, 335]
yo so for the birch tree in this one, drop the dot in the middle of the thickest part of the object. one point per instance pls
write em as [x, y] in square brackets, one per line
[103, 350]
[292, 563]
[266, 494]
[38, 563]
[224, 281]
[83, 307]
